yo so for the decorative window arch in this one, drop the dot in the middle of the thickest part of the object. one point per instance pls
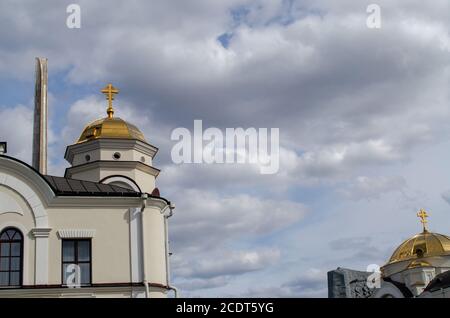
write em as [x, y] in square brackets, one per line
[121, 181]
[11, 257]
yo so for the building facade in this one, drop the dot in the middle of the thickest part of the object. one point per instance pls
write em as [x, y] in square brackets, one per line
[99, 231]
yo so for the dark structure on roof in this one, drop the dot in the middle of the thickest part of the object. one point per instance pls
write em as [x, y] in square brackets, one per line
[72, 187]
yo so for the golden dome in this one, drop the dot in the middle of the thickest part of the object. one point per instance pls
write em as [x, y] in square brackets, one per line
[110, 127]
[113, 127]
[425, 244]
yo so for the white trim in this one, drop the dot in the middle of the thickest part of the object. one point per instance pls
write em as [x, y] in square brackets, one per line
[112, 179]
[94, 201]
[111, 143]
[157, 203]
[41, 265]
[26, 249]
[33, 190]
[76, 233]
[113, 291]
[41, 232]
[111, 164]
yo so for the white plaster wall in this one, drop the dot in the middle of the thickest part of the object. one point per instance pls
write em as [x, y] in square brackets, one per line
[110, 245]
[91, 175]
[107, 154]
[145, 181]
[154, 245]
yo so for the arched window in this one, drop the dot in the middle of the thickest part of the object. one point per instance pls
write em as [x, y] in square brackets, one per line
[11, 257]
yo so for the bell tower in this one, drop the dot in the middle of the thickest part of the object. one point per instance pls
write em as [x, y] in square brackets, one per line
[113, 151]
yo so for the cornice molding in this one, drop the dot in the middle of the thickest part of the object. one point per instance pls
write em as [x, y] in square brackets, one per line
[111, 143]
[35, 184]
[76, 233]
[96, 289]
[112, 164]
[93, 201]
[41, 232]
[155, 202]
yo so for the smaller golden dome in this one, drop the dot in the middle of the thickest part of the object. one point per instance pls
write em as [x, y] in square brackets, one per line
[113, 127]
[110, 127]
[425, 244]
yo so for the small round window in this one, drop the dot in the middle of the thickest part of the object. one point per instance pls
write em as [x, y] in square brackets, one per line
[116, 155]
[142, 159]
[87, 157]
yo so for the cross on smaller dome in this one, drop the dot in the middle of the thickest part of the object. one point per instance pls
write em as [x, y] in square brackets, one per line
[110, 91]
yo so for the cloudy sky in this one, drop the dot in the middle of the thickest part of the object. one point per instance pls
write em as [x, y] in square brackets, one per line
[364, 119]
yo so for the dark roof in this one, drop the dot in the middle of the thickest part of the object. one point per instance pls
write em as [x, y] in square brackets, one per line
[440, 281]
[72, 187]
[68, 187]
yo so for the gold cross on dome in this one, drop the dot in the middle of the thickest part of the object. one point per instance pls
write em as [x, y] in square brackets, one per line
[110, 91]
[422, 214]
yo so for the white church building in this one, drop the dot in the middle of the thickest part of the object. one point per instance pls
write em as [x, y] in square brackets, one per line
[99, 231]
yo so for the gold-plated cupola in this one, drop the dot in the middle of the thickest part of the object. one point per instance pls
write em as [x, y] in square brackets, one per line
[110, 126]
[422, 245]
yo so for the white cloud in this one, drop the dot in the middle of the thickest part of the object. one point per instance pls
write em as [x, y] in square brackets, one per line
[206, 219]
[227, 263]
[206, 225]
[371, 188]
[219, 267]
[16, 128]
[310, 283]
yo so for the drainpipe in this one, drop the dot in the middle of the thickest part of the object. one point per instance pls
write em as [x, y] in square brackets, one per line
[144, 198]
[166, 233]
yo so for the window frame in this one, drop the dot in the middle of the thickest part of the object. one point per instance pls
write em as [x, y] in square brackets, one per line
[75, 261]
[21, 257]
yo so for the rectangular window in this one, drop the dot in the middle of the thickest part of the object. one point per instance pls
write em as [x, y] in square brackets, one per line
[76, 262]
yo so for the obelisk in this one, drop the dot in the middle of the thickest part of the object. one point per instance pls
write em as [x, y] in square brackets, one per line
[39, 161]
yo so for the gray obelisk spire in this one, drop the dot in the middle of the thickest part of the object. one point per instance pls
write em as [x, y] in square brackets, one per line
[40, 117]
